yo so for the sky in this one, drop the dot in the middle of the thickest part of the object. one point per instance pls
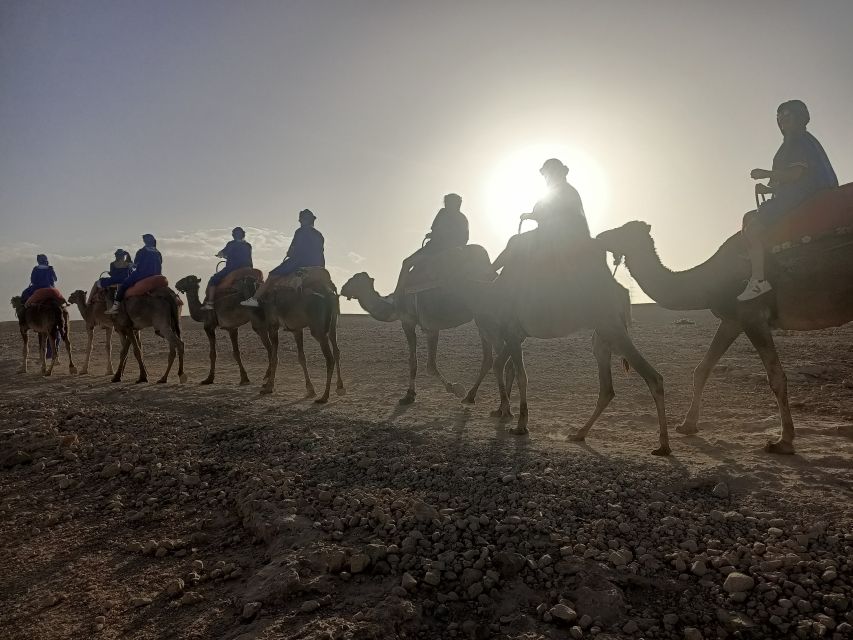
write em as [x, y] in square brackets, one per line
[186, 118]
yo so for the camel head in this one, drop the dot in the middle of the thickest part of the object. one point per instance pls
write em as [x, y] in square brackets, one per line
[629, 238]
[78, 297]
[16, 303]
[190, 283]
[357, 286]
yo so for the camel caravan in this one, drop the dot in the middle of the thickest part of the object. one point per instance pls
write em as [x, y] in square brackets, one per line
[788, 268]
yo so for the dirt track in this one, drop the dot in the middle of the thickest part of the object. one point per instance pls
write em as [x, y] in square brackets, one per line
[364, 519]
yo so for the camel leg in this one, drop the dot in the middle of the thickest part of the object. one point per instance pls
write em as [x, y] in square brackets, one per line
[303, 362]
[727, 333]
[42, 356]
[179, 344]
[621, 342]
[122, 357]
[605, 385]
[263, 334]
[517, 356]
[211, 339]
[63, 332]
[485, 366]
[412, 340]
[336, 352]
[53, 347]
[503, 411]
[90, 337]
[108, 332]
[235, 350]
[269, 382]
[760, 336]
[25, 338]
[432, 366]
[323, 339]
[136, 343]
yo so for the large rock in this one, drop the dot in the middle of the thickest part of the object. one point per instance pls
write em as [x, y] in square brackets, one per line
[563, 613]
[737, 582]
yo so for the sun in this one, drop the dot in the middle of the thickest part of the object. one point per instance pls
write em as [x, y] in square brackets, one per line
[515, 185]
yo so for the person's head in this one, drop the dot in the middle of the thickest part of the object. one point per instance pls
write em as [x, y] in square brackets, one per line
[149, 240]
[41, 259]
[554, 171]
[238, 234]
[122, 255]
[792, 115]
[307, 217]
[453, 202]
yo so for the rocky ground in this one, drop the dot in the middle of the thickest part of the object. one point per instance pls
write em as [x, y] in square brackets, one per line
[179, 511]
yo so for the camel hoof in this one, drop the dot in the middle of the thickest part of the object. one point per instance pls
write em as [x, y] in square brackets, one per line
[519, 430]
[577, 437]
[310, 393]
[22, 370]
[141, 381]
[116, 378]
[409, 398]
[207, 381]
[502, 414]
[46, 374]
[468, 399]
[780, 446]
[243, 382]
[182, 378]
[84, 372]
[662, 451]
[322, 400]
[265, 390]
[72, 370]
[341, 391]
[687, 429]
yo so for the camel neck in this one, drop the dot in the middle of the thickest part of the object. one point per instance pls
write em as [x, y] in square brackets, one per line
[682, 290]
[194, 304]
[378, 307]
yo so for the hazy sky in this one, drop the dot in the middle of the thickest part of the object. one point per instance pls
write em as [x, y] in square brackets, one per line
[184, 119]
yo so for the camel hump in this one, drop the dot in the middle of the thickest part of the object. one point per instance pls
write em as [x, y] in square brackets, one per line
[239, 274]
[44, 296]
[828, 212]
[147, 285]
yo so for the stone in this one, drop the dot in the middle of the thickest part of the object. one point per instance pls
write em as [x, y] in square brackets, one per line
[309, 606]
[190, 598]
[140, 601]
[698, 568]
[359, 562]
[175, 588]
[692, 633]
[408, 582]
[563, 613]
[721, 490]
[111, 470]
[433, 578]
[250, 610]
[737, 582]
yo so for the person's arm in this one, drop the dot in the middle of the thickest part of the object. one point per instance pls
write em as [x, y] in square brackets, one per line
[53, 278]
[224, 252]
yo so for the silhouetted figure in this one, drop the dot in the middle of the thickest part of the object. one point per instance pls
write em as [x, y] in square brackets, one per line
[306, 250]
[147, 262]
[449, 229]
[559, 213]
[800, 169]
[237, 254]
[42, 277]
[119, 270]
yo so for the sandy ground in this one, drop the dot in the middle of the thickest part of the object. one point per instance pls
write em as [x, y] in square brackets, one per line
[187, 511]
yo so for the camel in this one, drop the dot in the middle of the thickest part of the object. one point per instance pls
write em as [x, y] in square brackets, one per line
[158, 309]
[93, 315]
[228, 314]
[433, 310]
[45, 318]
[813, 289]
[537, 295]
[315, 308]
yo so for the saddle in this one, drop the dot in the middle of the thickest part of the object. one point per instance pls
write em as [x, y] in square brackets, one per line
[442, 268]
[98, 294]
[46, 295]
[146, 286]
[315, 278]
[238, 274]
[827, 213]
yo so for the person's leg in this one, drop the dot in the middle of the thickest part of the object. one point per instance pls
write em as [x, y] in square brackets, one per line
[210, 291]
[754, 228]
[274, 275]
[26, 293]
[408, 263]
[122, 289]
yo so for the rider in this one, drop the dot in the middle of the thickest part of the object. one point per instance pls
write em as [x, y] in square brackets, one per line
[42, 277]
[147, 262]
[449, 230]
[119, 270]
[559, 213]
[800, 169]
[237, 254]
[306, 250]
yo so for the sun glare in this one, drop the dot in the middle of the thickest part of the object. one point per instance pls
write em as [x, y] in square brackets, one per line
[515, 185]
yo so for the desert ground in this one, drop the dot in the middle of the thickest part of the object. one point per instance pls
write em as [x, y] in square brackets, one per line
[187, 511]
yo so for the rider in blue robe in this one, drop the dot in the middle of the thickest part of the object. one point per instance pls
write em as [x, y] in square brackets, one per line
[237, 254]
[147, 262]
[42, 277]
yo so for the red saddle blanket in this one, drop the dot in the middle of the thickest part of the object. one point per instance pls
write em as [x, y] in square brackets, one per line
[828, 212]
[45, 295]
[147, 285]
[245, 272]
